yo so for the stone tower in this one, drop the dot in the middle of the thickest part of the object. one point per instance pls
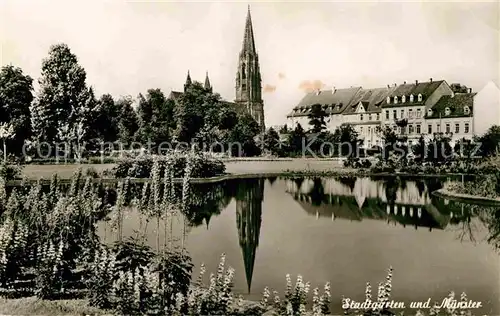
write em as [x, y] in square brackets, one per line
[248, 80]
[188, 82]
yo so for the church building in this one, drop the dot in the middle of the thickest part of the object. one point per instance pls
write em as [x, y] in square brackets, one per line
[248, 86]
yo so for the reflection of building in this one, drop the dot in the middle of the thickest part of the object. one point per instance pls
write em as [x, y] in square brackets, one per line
[249, 197]
[405, 202]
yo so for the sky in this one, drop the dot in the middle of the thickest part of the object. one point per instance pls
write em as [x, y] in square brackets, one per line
[128, 47]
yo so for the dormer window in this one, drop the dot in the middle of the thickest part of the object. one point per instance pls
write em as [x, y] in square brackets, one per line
[395, 100]
[429, 112]
[388, 100]
[447, 111]
[403, 99]
[411, 97]
[466, 110]
[419, 97]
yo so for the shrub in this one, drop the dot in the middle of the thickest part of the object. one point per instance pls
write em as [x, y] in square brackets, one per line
[10, 172]
[203, 165]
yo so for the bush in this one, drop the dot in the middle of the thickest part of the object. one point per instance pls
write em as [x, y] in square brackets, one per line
[203, 166]
[10, 172]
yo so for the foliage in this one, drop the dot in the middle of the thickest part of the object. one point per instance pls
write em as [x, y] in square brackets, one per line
[296, 139]
[64, 102]
[317, 118]
[155, 114]
[204, 165]
[15, 100]
[347, 140]
[10, 172]
[107, 119]
[242, 139]
[272, 143]
[489, 141]
[128, 123]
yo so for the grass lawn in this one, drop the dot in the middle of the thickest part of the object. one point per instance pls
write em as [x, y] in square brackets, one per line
[234, 167]
[35, 306]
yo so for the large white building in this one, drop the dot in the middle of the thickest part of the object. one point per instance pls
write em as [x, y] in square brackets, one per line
[429, 107]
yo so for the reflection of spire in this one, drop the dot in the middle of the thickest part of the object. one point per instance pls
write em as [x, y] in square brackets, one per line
[248, 219]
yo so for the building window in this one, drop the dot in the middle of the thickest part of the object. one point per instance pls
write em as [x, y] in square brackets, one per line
[394, 114]
[370, 117]
[447, 111]
[466, 130]
[457, 128]
[410, 129]
[418, 129]
[387, 114]
[403, 99]
[419, 113]
[395, 100]
[402, 113]
[369, 130]
[388, 100]
[429, 112]
[429, 129]
[438, 128]
[361, 117]
[378, 117]
[466, 110]
[411, 97]
[361, 130]
[419, 97]
[410, 113]
[448, 128]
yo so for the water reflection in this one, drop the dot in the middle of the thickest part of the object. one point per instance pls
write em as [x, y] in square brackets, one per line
[349, 210]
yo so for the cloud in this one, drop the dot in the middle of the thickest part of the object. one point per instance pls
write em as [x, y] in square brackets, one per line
[269, 88]
[309, 86]
[281, 75]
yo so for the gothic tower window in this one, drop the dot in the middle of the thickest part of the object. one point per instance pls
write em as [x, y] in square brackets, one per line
[243, 74]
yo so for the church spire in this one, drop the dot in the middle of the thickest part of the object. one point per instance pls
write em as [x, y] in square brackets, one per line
[207, 83]
[188, 81]
[248, 40]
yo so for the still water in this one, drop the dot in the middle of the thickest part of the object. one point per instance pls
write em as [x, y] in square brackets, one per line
[347, 231]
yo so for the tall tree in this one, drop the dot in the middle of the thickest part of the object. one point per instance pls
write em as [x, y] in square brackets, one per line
[155, 115]
[191, 111]
[296, 139]
[128, 124]
[15, 101]
[272, 142]
[107, 118]
[489, 141]
[243, 137]
[317, 118]
[64, 102]
[347, 141]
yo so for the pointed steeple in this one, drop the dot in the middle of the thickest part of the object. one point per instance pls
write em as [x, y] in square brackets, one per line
[248, 40]
[207, 83]
[188, 82]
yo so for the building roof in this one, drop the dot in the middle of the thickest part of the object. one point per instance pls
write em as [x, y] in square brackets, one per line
[371, 99]
[335, 101]
[175, 95]
[423, 88]
[455, 103]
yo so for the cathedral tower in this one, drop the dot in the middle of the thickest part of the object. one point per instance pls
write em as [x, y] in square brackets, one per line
[248, 80]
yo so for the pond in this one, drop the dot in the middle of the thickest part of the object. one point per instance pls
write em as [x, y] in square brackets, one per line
[347, 231]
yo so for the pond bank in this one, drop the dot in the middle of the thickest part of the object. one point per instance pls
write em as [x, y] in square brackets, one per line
[466, 198]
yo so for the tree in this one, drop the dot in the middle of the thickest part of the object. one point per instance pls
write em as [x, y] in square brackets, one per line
[347, 141]
[6, 132]
[296, 139]
[439, 149]
[191, 111]
[317, 118]
[155, 115]
[64, 101]
[489, 141]
[272, 142]
[420, 150]
[389, 139]
[128, 124]
[107, 119]
[243, 137]
[15, 101]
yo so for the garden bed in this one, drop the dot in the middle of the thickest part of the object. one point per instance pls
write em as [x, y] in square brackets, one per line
[467, 198]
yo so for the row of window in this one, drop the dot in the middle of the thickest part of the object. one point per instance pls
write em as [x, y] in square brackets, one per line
[448, 130]
[370, 117]
[403, 99]
[411, 114]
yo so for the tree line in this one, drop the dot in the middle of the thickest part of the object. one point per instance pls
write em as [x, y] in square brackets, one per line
[65, 110]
